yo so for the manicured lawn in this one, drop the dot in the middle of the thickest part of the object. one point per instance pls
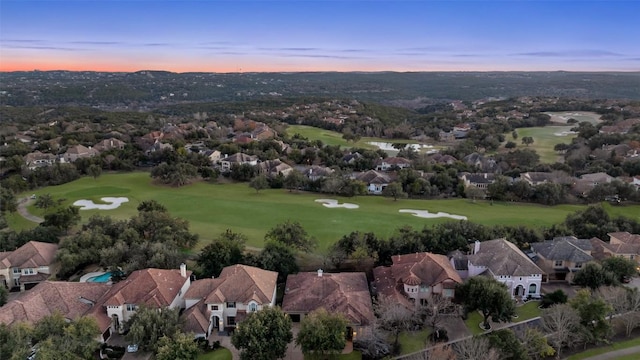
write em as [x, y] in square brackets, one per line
[473, 319]
[544, 139]
[329, 137]
[412, 341]
[527, 311]
[606, 349]
[219, 354]
[213, 208]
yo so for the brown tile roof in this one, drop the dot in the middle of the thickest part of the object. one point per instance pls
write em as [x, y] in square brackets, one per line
[387, 286]
[423, 268]
[195, 319]
[239, 283]
[625, 237]
[153, 287]
[30, 255]
[343, 293]
[50, 296]
[502, 257]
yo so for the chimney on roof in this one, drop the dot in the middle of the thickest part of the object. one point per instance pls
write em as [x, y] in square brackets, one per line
[183, 270]
[476, 246]
[319, 272]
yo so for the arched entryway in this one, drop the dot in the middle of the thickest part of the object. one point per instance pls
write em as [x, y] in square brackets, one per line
[518, 291]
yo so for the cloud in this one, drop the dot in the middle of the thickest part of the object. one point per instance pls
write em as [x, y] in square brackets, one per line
[97, 42]
[156, 44]
[27, 41]
[570, 53]
[43, 47]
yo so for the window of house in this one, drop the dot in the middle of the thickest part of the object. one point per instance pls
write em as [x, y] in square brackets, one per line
[532, 288]
[214, 307]
[16, 271]
[131, 307]
[558, 263]
[253, 307]
[231, 304]
[632, 257]
[231, 320]
[578, 265]
[447, 292]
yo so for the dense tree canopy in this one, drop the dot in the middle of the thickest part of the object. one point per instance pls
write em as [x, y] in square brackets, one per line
[322, 333]
[263, 335]
[488, 296]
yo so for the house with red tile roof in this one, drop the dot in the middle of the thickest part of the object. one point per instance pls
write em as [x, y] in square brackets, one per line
[27, 265]
[342, 293]
[71, 299]
[155, 288]
[413, 278]
[218, 303]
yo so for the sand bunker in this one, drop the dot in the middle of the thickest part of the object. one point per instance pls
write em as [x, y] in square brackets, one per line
[564, 133]
[112, 203]
[427, 215]
[331, 203]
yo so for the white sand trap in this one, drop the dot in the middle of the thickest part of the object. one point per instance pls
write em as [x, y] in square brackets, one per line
[428, 215]
[112, 203]
[331, 203]
[564, 133]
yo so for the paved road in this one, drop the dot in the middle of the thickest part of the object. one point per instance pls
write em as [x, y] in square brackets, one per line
[616, 354]
[22, 210]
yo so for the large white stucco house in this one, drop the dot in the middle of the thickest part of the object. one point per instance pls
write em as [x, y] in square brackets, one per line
[503, 261]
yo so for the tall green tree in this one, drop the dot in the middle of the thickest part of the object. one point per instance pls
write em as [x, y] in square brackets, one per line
[94, 171]
[395, 191]
[527, 140]
[63, 218]
[148, 325]
[225, 250]
[294, 180]
[7, 200]
[179, 346]
[259, 182]
[488, 296]
[620, 267]
[263, 335]
[278, 257]
[322, 333]
[593, 312]
[45, 201]
[292, 234]
[593, 276]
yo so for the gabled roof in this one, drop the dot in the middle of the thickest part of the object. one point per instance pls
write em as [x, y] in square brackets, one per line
[480, 178]
[626, 237]
[71, 299]
[502, 257]
[153, 287]
[195, 318]
[427, 268]
[342, 293]
[374, 177]
[394, 161]
[30, 255]
[237, 283]
[240, 158]
[565, 249]
[600, 177]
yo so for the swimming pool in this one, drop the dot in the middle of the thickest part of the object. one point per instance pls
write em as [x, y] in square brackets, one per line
[100, 278]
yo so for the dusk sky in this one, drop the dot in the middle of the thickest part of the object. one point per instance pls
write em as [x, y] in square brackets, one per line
[230, 36]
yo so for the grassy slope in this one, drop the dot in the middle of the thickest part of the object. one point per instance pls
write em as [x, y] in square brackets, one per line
[544, 139]
[412, 341]
[603, 350]
[329, 137]
[219, 354]
[212, 208]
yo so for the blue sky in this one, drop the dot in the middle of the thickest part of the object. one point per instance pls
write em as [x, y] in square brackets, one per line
[320, 35]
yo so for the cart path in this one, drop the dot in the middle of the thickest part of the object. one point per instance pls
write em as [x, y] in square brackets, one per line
[22, 210]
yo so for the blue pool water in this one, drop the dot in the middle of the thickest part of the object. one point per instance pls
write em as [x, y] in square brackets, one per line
[100, 278]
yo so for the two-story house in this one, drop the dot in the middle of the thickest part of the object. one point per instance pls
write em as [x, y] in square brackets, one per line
[156, 288]
[237, 159]
[27, 265]
[38, 159]
[562, 257]
[479, 180]
[417, 277]
[623, 244]
[78, 152]
[391, 163]
[503, 261]
[339, 293]
[218, 303]
[376, 181]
